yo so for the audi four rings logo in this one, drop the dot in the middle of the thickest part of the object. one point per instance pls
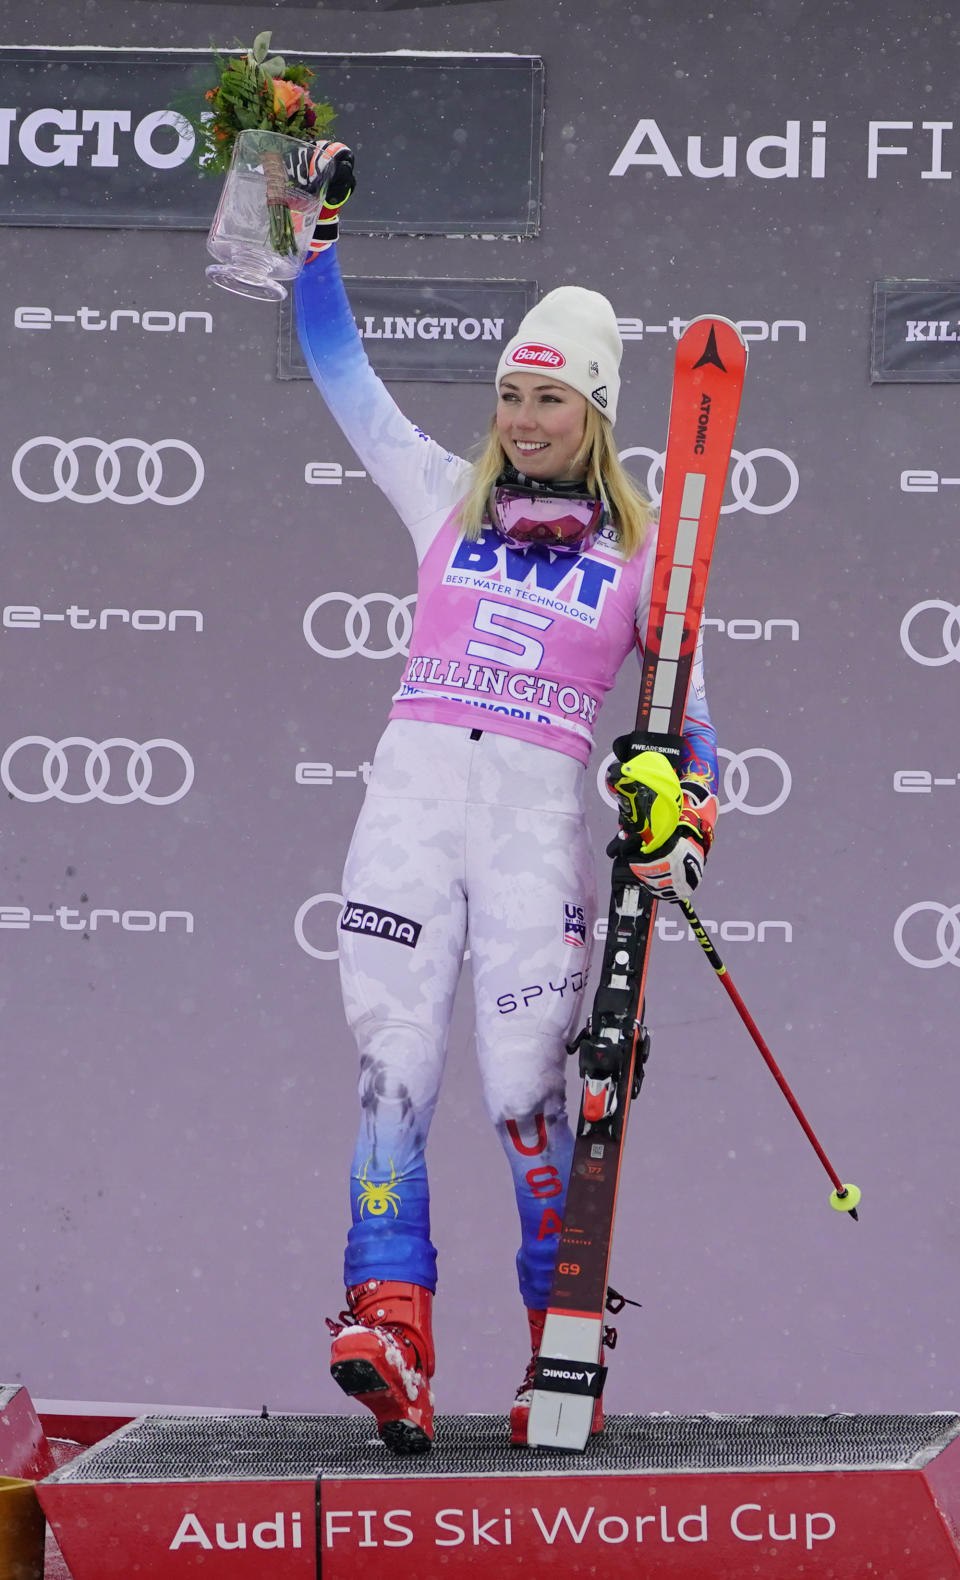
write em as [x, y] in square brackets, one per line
[744, 478]
[108, 465]
[357, 634]
[944, 935]
[949, 632]
[19, 763]
[736, 783]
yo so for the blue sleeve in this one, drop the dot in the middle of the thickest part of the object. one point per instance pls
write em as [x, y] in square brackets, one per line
[699, 759]
[417, 475]
[328, 335]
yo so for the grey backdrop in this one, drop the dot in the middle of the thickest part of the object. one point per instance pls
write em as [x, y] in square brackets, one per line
[178, 1105]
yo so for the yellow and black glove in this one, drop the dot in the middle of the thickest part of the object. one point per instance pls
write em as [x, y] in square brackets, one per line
[666, 824]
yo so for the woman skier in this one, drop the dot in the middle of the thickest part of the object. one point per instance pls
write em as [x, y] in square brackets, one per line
[535, 567]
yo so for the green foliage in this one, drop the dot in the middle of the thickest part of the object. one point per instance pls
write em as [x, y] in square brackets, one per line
[252, 91]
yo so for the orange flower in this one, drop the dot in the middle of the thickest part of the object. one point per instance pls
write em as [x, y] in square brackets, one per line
[286, 96]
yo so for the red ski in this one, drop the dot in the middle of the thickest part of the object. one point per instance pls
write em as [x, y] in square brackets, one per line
[708, 380]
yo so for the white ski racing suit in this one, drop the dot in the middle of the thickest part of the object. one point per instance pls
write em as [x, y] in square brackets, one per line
[472, 833]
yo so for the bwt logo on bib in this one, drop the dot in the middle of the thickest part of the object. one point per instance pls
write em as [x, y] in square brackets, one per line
[538, 356]
[562, 583]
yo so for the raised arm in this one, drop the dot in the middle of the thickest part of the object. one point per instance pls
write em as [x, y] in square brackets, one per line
[417, 475]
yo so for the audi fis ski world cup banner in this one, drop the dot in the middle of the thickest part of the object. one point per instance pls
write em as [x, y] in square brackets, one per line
[445, 330]
[90, 137]
[916, 332]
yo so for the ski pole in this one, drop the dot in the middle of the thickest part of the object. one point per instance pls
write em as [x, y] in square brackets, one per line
[843, 1198]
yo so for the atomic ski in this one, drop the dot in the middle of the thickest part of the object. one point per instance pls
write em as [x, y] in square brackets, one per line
[708, 379]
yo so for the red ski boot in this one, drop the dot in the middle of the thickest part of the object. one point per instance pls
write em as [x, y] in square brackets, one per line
[520, 1410]
[382, 1355]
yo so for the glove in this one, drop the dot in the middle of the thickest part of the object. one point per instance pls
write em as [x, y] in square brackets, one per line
[666, 827]
[312, 167]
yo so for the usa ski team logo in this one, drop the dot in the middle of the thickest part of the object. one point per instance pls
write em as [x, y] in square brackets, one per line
[574, 925]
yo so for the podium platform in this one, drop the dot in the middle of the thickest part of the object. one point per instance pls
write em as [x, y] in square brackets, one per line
[23, 1445]
[836, 1497]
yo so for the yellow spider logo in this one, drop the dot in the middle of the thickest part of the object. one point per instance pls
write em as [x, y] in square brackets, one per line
[377, 1198]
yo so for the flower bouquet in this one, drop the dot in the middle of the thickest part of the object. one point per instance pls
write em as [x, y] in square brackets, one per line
[258, 128]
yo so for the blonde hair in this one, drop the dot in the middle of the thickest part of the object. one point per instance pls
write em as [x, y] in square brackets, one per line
[628, 509]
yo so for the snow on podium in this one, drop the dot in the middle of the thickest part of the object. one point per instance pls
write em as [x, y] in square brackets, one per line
[293, 1497]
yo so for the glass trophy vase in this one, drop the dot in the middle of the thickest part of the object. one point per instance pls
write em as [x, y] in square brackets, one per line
[264, 222]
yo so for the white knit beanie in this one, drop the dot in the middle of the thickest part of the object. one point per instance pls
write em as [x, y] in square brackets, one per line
[572, 336]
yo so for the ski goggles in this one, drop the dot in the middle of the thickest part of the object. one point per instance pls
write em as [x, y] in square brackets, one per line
[566, 523]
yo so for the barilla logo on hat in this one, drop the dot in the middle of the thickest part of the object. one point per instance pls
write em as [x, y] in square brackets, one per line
[538, 356]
